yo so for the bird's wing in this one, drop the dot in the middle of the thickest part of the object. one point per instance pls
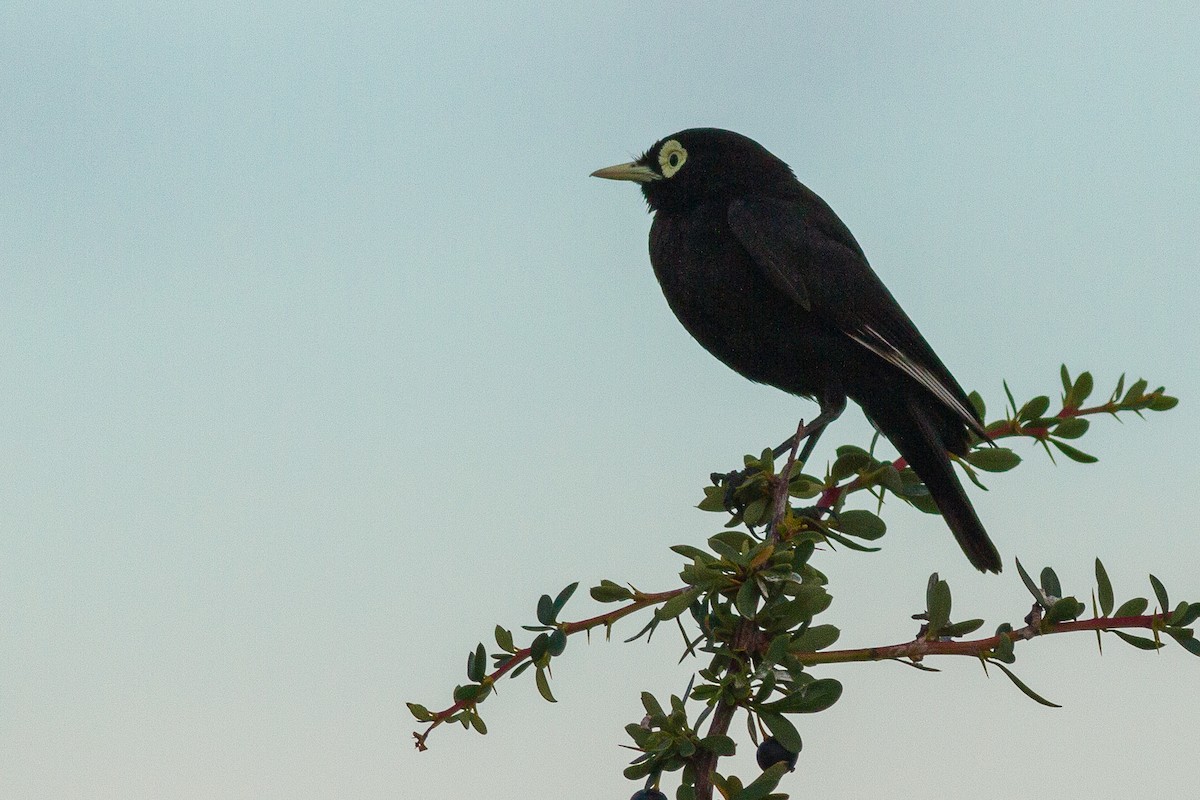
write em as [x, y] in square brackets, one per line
[806, 252]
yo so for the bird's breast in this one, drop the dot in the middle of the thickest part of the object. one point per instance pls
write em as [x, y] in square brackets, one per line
[727, 304]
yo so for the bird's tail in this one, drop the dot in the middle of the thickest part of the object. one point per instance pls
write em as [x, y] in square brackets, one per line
[917, 438]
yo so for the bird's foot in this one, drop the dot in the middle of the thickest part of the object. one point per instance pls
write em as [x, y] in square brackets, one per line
[743, 487]
[731, 482]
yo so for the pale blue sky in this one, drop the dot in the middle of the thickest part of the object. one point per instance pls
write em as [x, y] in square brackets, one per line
[322, 355]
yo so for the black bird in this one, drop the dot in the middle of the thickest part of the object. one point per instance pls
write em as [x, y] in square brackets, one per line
[767, 278]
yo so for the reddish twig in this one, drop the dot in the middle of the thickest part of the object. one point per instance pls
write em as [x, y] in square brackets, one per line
[919, 648]
[517, 658]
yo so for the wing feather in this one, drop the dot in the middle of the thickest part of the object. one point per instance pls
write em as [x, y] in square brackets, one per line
[810, 255]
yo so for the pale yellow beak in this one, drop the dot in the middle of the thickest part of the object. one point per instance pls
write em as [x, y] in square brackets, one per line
[628, 172]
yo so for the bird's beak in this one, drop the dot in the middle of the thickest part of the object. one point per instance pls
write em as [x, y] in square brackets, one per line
[632, 171]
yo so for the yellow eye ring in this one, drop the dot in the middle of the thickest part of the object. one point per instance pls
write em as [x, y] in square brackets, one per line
[671, 158]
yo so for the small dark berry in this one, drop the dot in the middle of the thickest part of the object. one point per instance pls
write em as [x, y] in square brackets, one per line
[648, 794]
[771, 752]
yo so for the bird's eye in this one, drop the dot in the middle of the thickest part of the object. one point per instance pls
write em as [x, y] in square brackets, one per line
[671, 157]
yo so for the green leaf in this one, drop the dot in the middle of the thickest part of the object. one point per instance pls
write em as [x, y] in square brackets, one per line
[545, 610]
[1188, 616]
[1160, 593]
[834, 536]
[694, 553]
[639, 734]
[914, 491]
[1140, 642]
[861, 523]
[937, 598]
[746, 600]
[1033, 588]
[889, 478]
[1082, 389]
[541, 643]
[543, 686]
[769, 681]
[818, 696]
[962, 628]
[467, 693]
[848, 464]
[782, 729]
[1008, 393]
[1162, 402]
[1135, 392]
[992, 459]
[731, 545]
[810, 599]
[764, 784]
[563, 597]
[776, 652]
[1034, 408]
[756, 512]
[1116, 395]
[978, 404]
[652, 706]
[1004, 650]
[1188, 643]
[1104, 587]
[1134, 607]
[477, 724]
[1071, 427]
[1063, 610]
[1030, 693]
[803, 552]
[802, 485]
[923, 502]
[720, 744]
[784, 615]
[1073, 454]
[609, 592]
[1050, 584]
[477, 664]
[714, 499]
[420, 712]
[739, 540]
[504, 640]
[558, 643]
[1066, 379]
[677, 604]
[816, 637]
[852, 449]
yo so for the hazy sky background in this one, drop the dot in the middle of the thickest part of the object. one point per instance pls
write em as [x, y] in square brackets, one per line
[321, 355]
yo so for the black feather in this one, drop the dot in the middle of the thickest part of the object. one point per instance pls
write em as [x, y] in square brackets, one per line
[763, 274]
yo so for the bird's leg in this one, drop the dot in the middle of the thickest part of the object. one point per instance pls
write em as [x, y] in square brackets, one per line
[830, 410]
[811, 433]
[732, 481]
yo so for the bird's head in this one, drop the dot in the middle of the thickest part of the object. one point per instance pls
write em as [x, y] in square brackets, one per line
[702, 165]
